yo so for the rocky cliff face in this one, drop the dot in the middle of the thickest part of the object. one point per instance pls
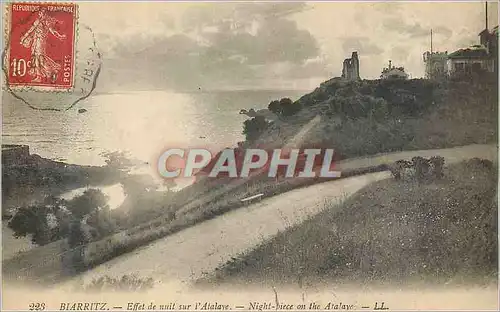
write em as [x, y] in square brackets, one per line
[30, 177]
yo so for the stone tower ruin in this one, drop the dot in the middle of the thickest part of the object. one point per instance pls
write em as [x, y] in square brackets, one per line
[350, 70]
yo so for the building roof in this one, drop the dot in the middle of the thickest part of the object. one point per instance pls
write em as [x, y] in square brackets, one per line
[484, 31]
[394, 72]
[470, 53]
[494, 31]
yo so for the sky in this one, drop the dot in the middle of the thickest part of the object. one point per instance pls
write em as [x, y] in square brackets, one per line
[288, 45]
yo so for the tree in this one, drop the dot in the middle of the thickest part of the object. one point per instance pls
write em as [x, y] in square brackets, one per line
[102, 221]
[92, 204]
[76, 235]
[32, 220]
[254, 127]
[288, 108]
[284, 102]
[76, 238]
[275, 107]
[65, 218]
[90, 201]
[284, 107]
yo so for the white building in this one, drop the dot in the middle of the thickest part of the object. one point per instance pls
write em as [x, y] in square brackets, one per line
[392, 72]
[436, 64]
[474, 59]
[477, 59]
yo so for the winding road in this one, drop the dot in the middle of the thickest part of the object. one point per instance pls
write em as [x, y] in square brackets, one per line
[189, 254]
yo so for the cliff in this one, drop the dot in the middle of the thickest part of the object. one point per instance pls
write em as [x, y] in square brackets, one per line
[367, 117]
[27, 177]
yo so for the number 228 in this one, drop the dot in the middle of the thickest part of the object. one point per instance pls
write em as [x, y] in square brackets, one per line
[38, 306]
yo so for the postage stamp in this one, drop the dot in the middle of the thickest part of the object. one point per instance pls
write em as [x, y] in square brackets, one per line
[41, 46]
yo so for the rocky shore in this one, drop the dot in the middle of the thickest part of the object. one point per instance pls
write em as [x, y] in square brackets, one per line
[27, 178]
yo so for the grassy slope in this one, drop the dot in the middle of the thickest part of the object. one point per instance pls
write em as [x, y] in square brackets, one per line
[452, 114]
[370, 117]
[447, 115]
[389, 232]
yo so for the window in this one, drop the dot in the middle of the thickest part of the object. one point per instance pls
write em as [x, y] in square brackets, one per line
[459, 67]
[476, 67]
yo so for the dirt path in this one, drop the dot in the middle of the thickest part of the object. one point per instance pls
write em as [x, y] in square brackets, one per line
[451, 155]
[295, 141]
[190, 253]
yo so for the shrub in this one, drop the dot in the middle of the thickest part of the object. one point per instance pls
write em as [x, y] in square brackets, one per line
[254, 127]
[128, 283]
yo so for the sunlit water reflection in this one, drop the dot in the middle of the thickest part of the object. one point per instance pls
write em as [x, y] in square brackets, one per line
[143, 124]
[114, 193]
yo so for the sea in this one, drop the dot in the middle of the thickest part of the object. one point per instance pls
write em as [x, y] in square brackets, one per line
[141, 124]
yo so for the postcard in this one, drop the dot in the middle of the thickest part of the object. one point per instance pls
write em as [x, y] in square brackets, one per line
[249, 156]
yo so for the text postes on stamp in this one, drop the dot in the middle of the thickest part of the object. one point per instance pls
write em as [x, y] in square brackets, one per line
[41, 46]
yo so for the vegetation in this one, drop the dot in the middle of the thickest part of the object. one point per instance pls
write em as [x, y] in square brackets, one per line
[56, 218]
[32, 220]
[119, 160]
[206, 207]
[127, 283]
[39, 177]
[284, 107]
[393, 231]
[368, 117]
[358, 118]
[254, 127]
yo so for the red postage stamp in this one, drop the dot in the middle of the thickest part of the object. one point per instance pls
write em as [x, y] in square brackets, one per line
[41, 46]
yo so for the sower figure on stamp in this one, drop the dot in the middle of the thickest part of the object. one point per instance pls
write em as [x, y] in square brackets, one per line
[42, 66]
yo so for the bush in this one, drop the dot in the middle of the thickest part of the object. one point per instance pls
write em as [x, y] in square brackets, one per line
[89, 202]
[55, 219]
[284, 107]
[275, 107]
[253, 128]
[288, 108]
[34, 220]
[389, 232]
[128, 283]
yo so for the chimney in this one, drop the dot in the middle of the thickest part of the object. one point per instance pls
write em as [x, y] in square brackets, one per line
[431, 40]
[486, 14]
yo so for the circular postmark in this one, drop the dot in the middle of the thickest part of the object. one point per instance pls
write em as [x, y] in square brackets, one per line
[50, 61]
